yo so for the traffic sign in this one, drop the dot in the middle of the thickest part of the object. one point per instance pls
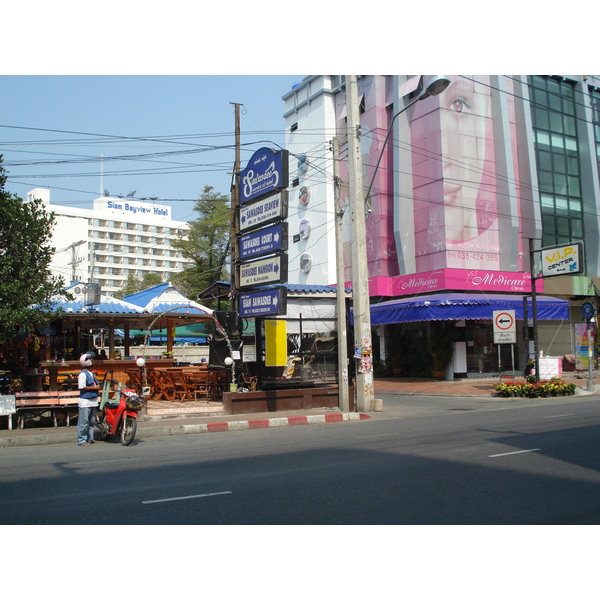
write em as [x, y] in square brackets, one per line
[504, 327]
[587, 310]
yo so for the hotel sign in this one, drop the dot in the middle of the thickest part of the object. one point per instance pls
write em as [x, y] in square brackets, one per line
[264, 241]
[264, 303]
[264, 272]
[267, 172]
[267, 210]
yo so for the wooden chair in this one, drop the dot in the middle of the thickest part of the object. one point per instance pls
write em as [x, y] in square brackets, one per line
[199, 383]
[218, 384]
[134, 379]
[160, 389]
[182, 390]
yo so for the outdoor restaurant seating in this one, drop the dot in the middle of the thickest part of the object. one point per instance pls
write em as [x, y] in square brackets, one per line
[184, 384]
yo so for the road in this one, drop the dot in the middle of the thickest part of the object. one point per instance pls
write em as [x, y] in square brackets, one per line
[466, 463]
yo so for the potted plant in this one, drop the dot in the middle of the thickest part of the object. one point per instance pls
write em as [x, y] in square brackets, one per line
[441, 349]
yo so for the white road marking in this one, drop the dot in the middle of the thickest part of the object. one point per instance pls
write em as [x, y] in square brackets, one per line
[184, 497]
[516, 452]
[558, 416]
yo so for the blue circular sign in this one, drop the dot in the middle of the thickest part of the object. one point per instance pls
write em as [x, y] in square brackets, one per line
[587, 310]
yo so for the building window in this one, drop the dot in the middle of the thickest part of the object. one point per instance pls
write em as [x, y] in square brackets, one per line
[557, 154]
[595, 98]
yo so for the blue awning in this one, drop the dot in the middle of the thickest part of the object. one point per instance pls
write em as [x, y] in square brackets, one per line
[456, 307]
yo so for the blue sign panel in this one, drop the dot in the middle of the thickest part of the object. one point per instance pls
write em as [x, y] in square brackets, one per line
[264, 303]
[267, 172]
[264, 241]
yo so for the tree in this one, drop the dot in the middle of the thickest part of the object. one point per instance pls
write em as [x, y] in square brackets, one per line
[207, 244]
[137, 284]
[26, 282]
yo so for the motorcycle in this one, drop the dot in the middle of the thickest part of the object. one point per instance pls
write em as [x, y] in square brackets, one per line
[119, 413]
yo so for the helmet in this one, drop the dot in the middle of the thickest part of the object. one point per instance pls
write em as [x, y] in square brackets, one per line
[86, 359]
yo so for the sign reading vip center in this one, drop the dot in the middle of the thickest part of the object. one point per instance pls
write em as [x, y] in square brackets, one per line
[267, 172]
[264, 241]
[264, 303]
[264, 272]
[504, 327]
[562, 260]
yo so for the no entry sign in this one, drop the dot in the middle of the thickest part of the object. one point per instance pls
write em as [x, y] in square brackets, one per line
[505, 331]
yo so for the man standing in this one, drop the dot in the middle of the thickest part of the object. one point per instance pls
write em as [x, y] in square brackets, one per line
[88, 401]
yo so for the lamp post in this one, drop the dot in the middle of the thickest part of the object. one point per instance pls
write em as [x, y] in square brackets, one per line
[141, 363]
[360, 273]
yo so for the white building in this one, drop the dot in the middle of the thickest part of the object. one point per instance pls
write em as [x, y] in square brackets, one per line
[117, 238]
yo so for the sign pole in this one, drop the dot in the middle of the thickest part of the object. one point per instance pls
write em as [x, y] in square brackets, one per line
[536, 354]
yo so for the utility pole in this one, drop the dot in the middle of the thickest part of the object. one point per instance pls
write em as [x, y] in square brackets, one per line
[344, 401]
[235, 205]
[360, 274]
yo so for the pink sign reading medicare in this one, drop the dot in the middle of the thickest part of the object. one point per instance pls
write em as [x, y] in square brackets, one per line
[453, 279]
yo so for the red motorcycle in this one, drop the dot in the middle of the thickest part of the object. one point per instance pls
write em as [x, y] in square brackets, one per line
[119, 413]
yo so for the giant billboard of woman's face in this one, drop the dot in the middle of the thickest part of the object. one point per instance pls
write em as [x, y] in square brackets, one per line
[456, 218]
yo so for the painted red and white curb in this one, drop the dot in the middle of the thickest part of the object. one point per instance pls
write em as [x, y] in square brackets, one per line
[272, 422]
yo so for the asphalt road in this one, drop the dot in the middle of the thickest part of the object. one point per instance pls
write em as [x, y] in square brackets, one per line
[453, 463]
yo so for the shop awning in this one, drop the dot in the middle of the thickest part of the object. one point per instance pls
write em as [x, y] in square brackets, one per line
[456, 307]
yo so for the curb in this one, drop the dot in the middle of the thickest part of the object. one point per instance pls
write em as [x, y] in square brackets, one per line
[55, 437]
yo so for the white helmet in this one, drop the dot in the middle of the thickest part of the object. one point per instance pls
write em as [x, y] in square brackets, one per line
[86, 359]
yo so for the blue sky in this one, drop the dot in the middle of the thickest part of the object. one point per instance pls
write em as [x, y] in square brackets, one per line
[49, 124]
[94, 74]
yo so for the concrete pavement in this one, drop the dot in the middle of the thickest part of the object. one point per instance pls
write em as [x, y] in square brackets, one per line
[400, 397]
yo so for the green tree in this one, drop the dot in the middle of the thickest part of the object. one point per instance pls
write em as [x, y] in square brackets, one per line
[137, 284]
[26, 282]
[206, 244]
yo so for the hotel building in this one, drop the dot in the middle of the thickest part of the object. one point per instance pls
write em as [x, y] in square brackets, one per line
[117, 238]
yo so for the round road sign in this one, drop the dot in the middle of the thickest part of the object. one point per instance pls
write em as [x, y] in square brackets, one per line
[504, 321]
[587, 310]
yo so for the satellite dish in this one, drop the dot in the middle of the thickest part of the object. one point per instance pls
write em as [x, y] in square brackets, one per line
[106, 193]
[131, 194]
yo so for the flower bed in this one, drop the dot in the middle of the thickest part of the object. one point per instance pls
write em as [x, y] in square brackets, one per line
[541, 389]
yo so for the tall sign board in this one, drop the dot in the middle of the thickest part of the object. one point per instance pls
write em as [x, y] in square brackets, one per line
[263, 243]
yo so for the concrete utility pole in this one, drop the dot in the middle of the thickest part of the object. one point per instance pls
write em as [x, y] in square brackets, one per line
[360, 275]
[344, 401]
[235, 205]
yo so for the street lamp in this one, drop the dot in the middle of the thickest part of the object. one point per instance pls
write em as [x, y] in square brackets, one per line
[141, 363]
[436, 85]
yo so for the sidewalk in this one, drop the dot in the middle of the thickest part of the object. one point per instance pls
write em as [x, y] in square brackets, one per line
[180, 423]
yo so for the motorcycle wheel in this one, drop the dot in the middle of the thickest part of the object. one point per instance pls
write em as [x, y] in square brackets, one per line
[104, 430]
[128, 430]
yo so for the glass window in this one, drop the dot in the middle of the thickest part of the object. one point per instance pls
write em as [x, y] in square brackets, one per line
[557, 158]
